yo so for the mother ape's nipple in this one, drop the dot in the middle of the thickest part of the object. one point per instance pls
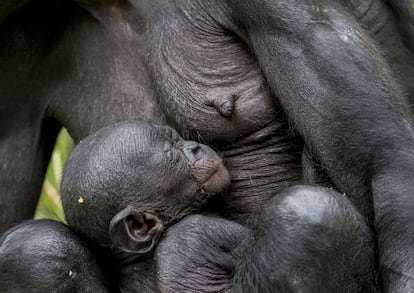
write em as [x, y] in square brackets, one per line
[224, 105]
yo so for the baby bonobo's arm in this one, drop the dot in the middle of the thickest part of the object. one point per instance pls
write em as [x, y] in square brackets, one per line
[127, 182]
[200, 254]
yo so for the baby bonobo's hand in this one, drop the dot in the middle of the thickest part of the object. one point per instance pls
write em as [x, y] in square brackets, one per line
[200, 254]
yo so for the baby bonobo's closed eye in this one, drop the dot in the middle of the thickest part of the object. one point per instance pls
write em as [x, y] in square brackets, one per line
[134, 231]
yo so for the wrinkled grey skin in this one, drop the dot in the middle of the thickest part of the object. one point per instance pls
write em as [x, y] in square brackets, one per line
[338, 71]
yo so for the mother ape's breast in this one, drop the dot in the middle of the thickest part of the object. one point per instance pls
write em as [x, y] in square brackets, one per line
[206, 78]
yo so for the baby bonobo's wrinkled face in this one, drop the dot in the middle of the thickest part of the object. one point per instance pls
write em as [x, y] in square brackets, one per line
[184, 165]
[133, 179]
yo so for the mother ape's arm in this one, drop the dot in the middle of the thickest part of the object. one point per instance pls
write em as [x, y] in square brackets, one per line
[341, 96]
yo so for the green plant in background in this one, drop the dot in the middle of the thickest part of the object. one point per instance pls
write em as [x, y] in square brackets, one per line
[50, 206]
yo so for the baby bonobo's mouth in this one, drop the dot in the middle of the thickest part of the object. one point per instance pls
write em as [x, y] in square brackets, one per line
[206, 167]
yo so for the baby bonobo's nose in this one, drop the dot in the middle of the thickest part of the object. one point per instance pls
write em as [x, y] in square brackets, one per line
[195, 151]
[206, 167]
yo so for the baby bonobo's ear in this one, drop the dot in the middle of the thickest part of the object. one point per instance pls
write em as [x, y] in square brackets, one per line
[134, 231]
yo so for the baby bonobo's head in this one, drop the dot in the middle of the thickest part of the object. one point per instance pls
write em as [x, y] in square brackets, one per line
[125, 183]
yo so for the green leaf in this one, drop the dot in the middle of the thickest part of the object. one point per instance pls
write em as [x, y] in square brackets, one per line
[50, 205]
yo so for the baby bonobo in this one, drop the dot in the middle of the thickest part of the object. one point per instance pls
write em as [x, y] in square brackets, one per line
[126, 183]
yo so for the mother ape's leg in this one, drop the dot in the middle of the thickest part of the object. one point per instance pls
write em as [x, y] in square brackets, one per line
[337, 89]
[25, 147]
[309, 239]
[26, 135]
